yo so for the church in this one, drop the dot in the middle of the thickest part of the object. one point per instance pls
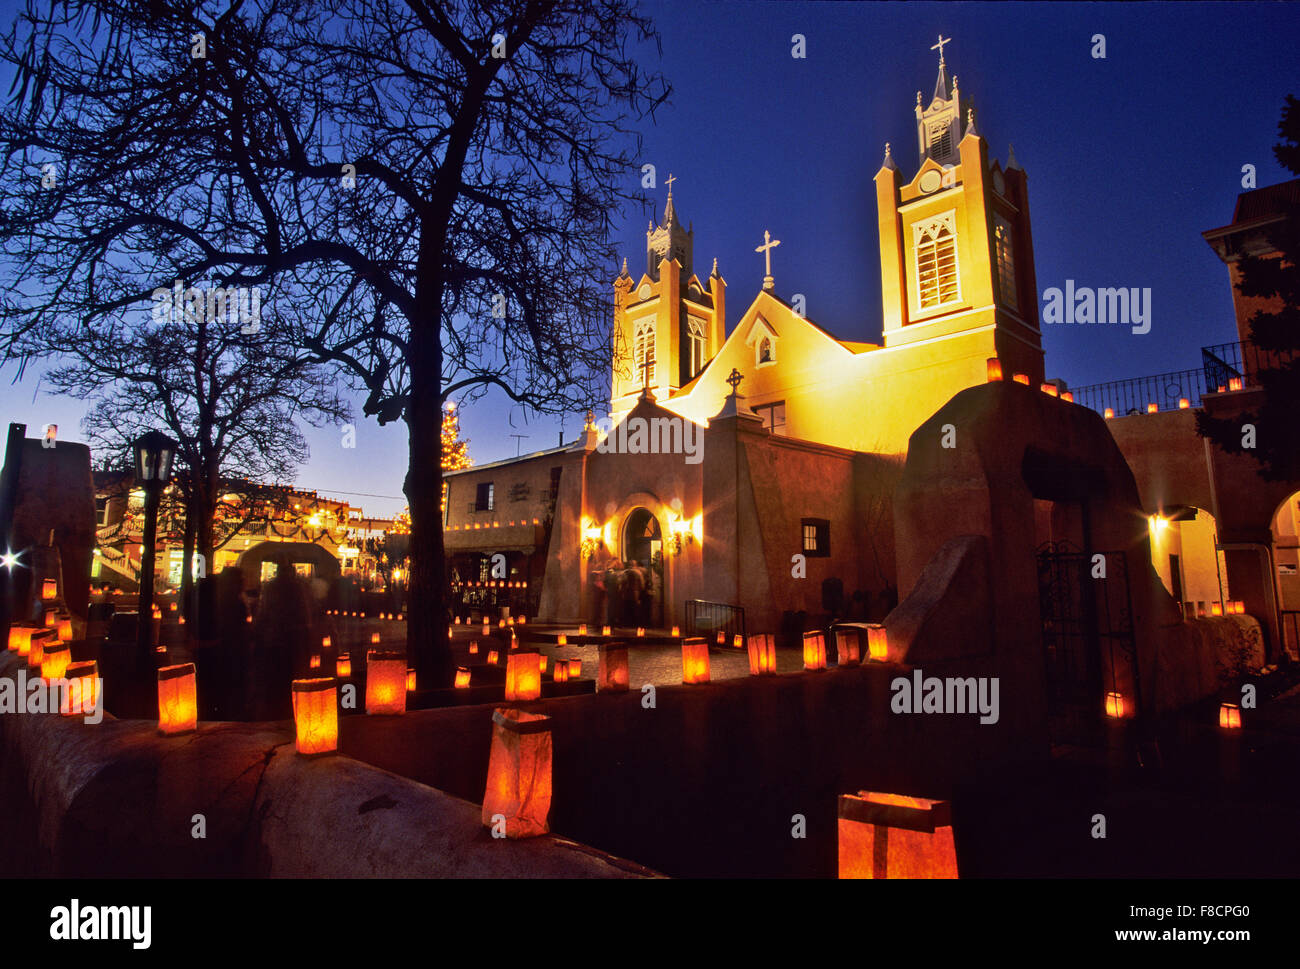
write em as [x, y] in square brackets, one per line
[752, 463]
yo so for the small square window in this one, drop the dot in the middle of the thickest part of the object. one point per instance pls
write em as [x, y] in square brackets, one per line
[816, 537]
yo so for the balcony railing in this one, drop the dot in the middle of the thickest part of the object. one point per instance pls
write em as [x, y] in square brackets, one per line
[1133, 396]
[1228, 366]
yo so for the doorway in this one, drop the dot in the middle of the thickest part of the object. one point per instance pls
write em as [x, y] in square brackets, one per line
[643, 546]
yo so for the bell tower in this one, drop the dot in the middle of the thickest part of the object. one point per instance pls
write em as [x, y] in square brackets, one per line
[956, 253]
[668, 324]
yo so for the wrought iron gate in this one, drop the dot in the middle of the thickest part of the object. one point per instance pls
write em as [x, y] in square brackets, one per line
[1087, 636]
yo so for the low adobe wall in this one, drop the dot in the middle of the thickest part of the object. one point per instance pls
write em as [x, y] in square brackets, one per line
[1200, 657]
[709, 780]
[115, 799]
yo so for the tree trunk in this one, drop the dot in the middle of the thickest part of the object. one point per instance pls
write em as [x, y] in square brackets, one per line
[187, 579]
[427, 646]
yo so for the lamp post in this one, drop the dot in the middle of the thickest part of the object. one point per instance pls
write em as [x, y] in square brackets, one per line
[154, 452]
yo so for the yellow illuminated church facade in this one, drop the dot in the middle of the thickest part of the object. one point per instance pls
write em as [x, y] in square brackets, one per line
[785, 505]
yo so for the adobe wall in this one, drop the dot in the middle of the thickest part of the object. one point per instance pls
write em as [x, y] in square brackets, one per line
[687, 786]
[56, 493]
[1002, 433]
[115, 799]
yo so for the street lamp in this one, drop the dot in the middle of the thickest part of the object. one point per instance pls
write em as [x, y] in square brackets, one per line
[154, 452]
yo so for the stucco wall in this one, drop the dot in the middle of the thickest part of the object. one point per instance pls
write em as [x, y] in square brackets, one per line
[115, 799]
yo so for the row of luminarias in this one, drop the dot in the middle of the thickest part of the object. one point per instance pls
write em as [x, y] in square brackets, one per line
[879, 835]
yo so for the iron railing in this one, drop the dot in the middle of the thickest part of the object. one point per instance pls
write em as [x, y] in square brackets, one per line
[1133, 396]
[1225, 367]
[1244, 361]
[707, 619]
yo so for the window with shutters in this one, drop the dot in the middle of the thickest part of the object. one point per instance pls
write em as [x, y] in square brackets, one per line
[695, 338]
[643, 352]
[1006, 262]
[935, 241]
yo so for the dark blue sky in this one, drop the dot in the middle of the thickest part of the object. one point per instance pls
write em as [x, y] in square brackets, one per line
[1129, 159]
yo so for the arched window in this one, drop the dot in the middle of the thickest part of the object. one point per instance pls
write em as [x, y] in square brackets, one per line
[643, 352]
[936, 261]
[695, 337]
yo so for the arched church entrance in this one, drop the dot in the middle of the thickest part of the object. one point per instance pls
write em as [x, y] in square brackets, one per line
[643, 549]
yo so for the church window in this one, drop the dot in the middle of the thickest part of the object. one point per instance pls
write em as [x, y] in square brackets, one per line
[816, 537]
[643, 352]
[773, 416]
[695, 337]
[484, 499]
[936, 261]
[940, 139]
[1006, 262]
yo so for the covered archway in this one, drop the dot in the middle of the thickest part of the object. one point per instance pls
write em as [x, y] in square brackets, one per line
[1286, 565]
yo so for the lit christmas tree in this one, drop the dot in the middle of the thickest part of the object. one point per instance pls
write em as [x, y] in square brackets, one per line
[455, 452]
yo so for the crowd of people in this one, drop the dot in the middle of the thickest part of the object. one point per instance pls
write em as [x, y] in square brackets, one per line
[624, 593]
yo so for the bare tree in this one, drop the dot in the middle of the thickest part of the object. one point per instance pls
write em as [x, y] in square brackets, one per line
[428, 187]
[230, 393]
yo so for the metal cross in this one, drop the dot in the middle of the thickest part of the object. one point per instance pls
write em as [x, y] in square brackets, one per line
[766, 248]
[734, 378]
[672, 178]
[939, 47]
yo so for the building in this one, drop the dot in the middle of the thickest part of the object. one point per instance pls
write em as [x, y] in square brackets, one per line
[729, 466]
[252, 522]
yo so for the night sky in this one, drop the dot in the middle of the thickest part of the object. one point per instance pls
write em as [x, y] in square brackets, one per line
[1129, 159]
